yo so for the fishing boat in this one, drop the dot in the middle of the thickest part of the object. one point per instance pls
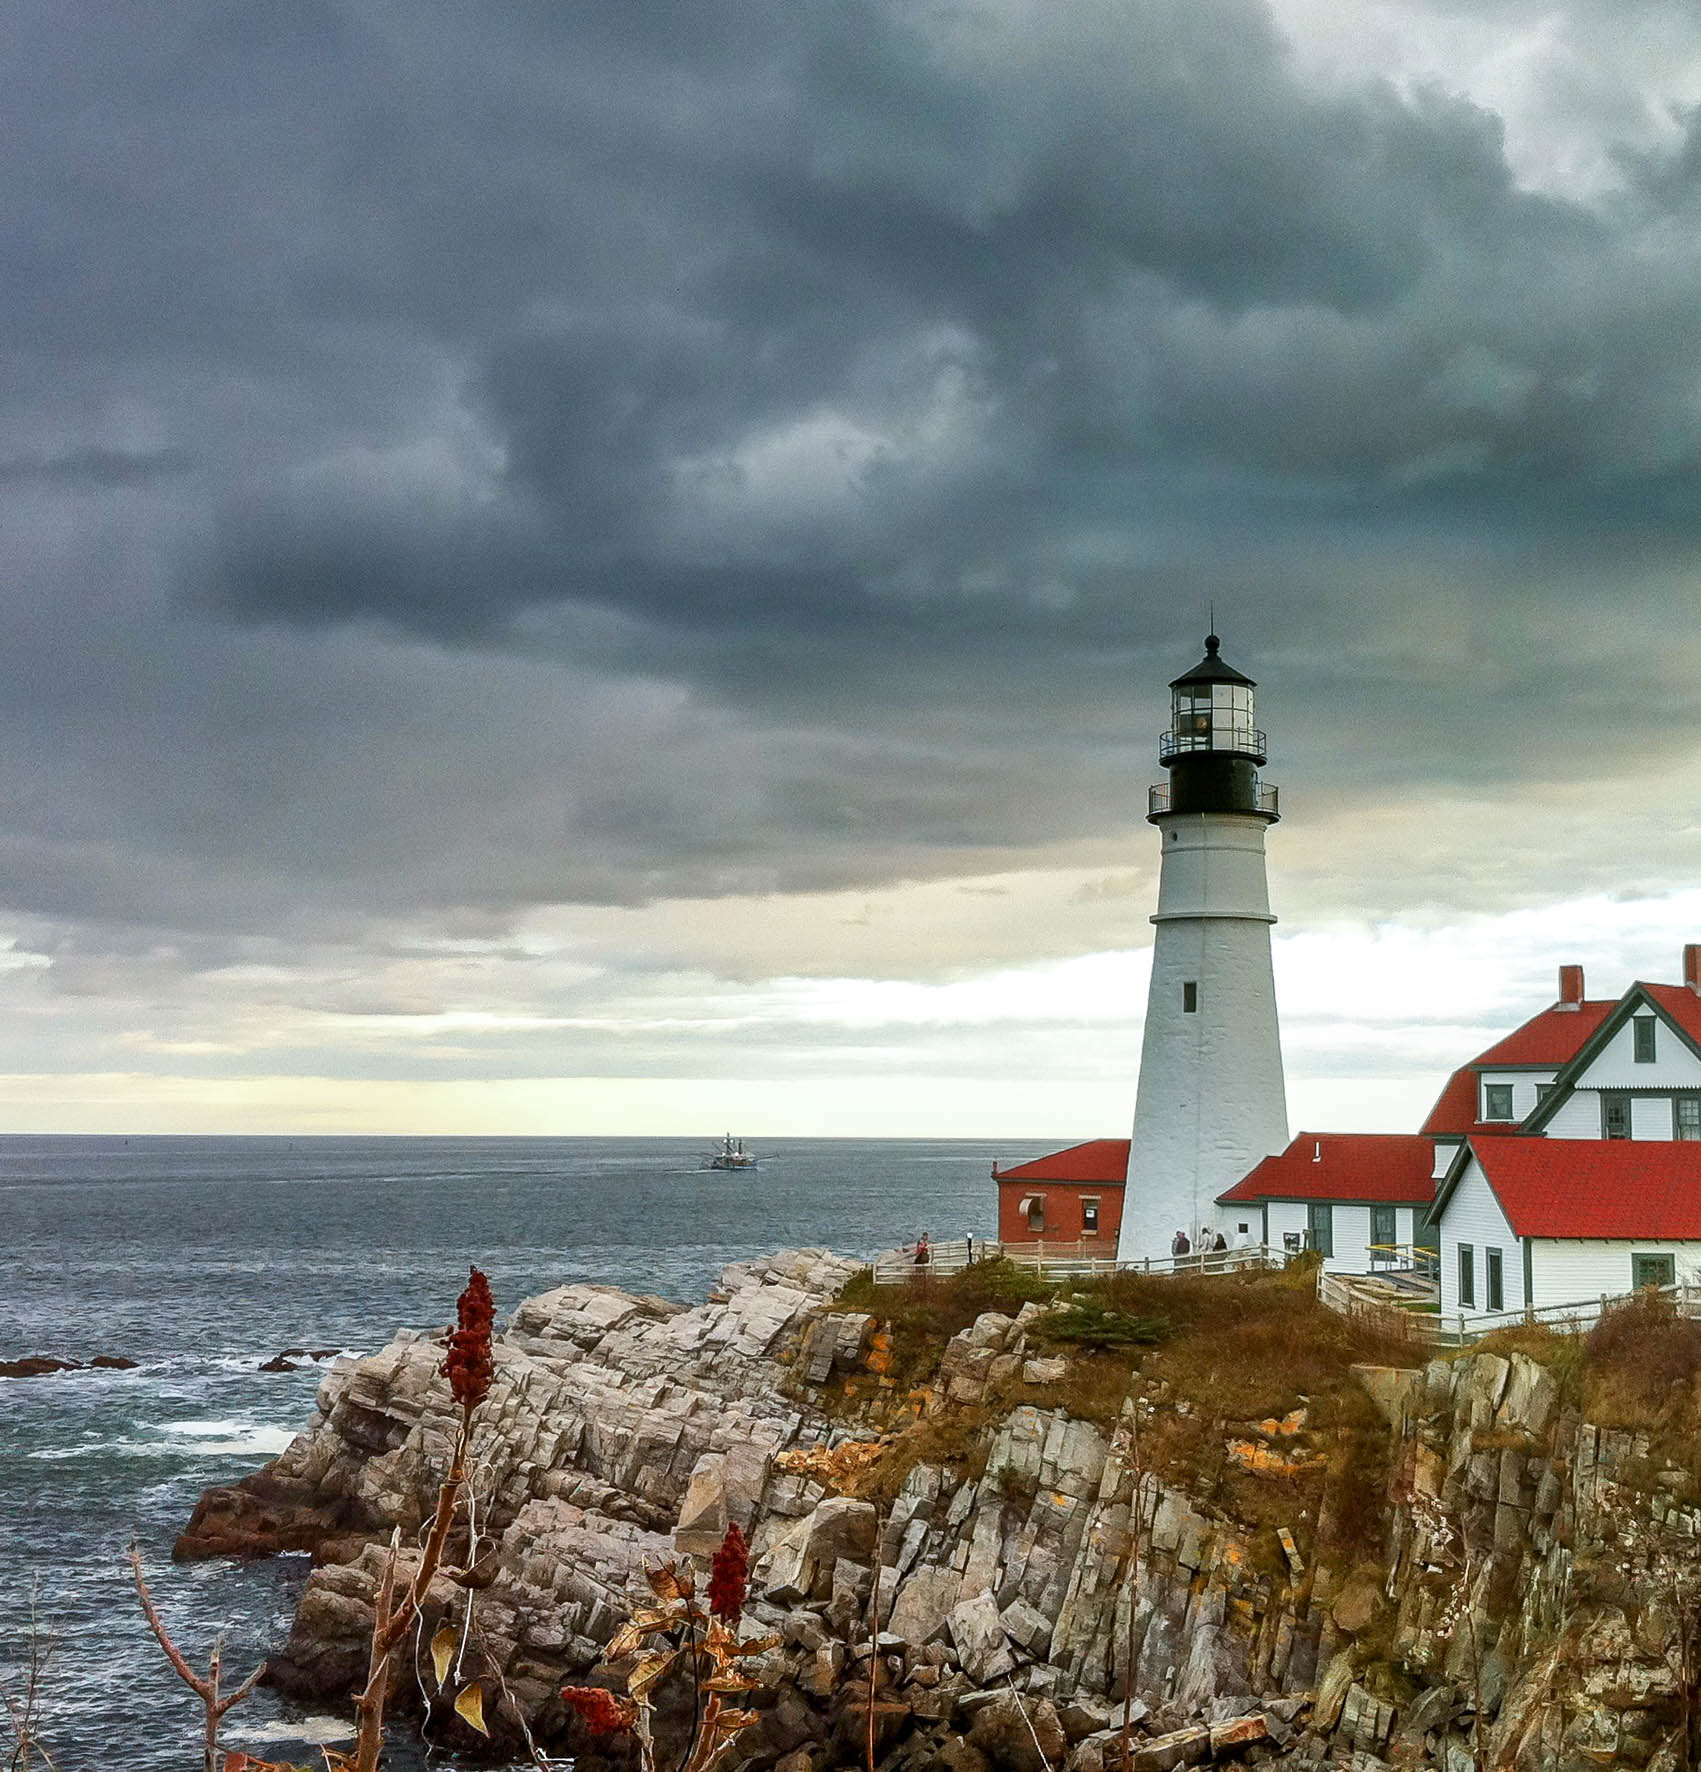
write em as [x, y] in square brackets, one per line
[732, 1155]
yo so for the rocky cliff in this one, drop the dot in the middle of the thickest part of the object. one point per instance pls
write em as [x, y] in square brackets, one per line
[1523, 1596]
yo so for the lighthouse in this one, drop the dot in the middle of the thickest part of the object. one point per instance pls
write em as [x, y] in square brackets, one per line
[1211, 1100]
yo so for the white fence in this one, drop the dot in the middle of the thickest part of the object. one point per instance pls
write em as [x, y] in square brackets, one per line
[1461, 1328]
[1087, 1259]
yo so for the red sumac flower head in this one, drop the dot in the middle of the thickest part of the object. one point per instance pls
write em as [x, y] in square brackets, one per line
[468, 1366]
[729, 1576]
[604, 1714]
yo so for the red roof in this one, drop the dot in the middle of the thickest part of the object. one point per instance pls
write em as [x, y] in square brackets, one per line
[1100, 1160]
[1681, 1004]
[1552, 1038]
[1595, 1187]
[1382, 1167]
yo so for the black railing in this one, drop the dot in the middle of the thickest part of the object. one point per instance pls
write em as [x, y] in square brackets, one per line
[1263, 800]
[1244, 740]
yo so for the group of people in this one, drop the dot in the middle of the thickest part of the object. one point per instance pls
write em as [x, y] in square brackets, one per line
[1212, 1245]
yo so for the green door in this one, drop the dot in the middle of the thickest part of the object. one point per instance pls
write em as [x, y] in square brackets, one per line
[1383, 1233]
[1653, 1270]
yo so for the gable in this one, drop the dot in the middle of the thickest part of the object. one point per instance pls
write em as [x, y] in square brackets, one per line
[1546, 1041]
[1607, 1060]
[1614, 1065]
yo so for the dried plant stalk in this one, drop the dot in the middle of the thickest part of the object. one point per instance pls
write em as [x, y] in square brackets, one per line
[205, 1686]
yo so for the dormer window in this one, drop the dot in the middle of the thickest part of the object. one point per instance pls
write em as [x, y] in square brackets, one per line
[1497, 1101]
[1642, 1030]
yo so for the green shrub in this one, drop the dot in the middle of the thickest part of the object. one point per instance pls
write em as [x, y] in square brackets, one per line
[1088, 1322]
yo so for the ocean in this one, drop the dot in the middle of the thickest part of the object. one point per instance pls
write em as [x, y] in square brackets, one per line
[200, 1258]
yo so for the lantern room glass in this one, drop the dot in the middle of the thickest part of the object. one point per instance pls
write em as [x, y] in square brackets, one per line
[1213, 717]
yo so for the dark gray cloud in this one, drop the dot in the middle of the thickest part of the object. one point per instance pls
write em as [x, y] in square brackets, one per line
[594, 453]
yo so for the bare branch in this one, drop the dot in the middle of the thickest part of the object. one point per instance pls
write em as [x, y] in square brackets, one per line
[205, 1687]
[173, 1654]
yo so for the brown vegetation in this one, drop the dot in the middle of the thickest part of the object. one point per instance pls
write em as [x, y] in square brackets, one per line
[1247, 1347]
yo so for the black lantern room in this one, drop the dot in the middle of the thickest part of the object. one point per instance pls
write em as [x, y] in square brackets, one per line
[1213, 748]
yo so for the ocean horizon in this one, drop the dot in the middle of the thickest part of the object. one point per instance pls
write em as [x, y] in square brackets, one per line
[202, 1257]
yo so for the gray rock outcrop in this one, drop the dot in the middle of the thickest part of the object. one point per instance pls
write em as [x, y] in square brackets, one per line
[1020, 1606]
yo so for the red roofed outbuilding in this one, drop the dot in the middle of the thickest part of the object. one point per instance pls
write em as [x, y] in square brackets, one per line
[1070, 1196]
[1354, 1196]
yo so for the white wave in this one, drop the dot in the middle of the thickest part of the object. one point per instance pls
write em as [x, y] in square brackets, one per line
[316, 1731]
[195, 1439]
[231, 1436]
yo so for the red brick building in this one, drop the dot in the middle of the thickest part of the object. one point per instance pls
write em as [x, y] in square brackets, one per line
[1071, 1196]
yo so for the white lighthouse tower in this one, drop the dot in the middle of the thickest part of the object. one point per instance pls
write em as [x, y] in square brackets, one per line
[1211, 1100]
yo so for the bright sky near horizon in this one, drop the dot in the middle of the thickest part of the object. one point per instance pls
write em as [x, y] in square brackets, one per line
[613, 569]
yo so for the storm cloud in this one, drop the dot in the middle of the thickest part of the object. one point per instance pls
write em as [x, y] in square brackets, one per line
[472, 466]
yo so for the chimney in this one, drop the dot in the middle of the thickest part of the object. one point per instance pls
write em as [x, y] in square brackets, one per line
[1692, 967]
[1570, 986]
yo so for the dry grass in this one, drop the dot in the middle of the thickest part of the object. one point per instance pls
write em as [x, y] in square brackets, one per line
[1642, 1371]
[959, 1440]
[1254, 1344]
[926, 1313]
[1240, 1348]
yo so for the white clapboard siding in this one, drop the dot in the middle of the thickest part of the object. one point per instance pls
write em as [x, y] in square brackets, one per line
[1564, 1270]
[1351, 1231]
[1650, 1116]
[1615, 1066]
[1578, 1116]
[1473, 1216]
[1524, 1090]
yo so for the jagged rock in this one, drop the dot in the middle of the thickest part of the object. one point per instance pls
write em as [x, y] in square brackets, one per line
[1430, 1710]
[982, 1647]
[959, 1754]
[924, 1603]
[803, 1561]
[1045, 1371]
[1237, 1734]
[1019, 1734]
[1358, 1600]
[1082, 1716]
[1026, 1625]
[1181, 1747]
[1531, 1398]
[621, 1431]
[1332, 1693]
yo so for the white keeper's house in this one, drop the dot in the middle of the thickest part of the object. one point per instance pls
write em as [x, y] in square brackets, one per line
[1560, 1166]
[1566, 1176]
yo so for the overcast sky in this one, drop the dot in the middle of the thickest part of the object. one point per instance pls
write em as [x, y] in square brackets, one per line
[601, 565]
